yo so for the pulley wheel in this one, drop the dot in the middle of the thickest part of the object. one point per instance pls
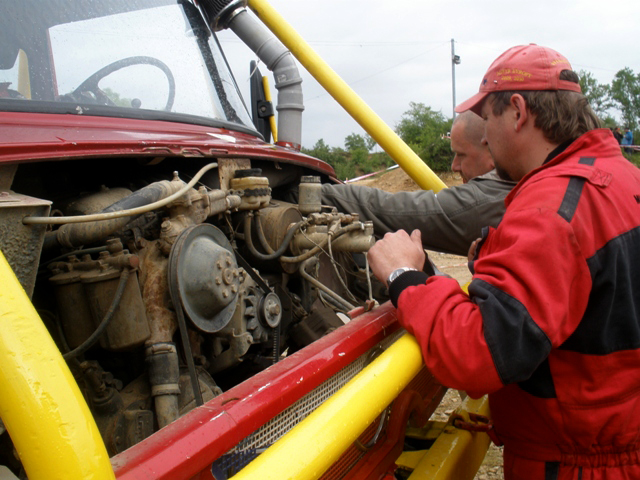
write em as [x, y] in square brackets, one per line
[204, 266]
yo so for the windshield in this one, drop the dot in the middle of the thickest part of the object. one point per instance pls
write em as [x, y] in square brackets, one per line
[152, 59]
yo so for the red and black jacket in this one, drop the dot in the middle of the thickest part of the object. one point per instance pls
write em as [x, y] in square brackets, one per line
[551, 327]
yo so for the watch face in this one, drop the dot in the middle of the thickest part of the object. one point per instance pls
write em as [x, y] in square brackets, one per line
[397, 272]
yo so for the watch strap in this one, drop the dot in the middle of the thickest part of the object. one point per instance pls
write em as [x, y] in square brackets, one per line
[406, 279]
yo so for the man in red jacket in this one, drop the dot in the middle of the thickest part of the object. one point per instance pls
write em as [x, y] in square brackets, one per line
[551, 326]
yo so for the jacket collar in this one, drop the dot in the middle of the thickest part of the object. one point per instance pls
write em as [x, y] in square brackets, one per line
[599, 142]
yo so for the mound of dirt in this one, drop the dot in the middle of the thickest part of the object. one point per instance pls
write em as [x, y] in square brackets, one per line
[398, 181]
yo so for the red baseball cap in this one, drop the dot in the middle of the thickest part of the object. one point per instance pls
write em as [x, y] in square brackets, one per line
[525, 67]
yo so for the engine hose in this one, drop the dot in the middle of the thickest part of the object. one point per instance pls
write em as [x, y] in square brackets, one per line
[261, 236]
[321, 245]
[109, 215]
[93, 338]
[281, 249]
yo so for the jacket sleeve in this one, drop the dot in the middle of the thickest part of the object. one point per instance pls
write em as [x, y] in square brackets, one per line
[528, 294]
[449, 221]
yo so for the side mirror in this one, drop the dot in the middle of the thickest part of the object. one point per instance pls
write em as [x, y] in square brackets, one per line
[261, 109]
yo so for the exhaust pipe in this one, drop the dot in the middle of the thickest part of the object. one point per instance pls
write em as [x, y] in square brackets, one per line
[232, 14]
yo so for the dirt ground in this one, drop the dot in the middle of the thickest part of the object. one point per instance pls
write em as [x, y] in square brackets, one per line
[456, 266]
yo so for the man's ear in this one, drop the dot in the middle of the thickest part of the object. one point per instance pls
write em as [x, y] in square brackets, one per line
[521, 114]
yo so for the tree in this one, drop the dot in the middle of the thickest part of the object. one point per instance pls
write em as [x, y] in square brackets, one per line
[598, 94]
[625, 93]
[355, 142]
[424, 130]
[334, 156]
[370, 142]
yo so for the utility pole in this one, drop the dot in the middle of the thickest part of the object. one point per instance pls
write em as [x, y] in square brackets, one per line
[455, 60]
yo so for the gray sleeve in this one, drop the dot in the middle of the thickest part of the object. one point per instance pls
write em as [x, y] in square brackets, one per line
[449, 221]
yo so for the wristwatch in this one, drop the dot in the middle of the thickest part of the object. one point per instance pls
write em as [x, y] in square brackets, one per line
[399, 271]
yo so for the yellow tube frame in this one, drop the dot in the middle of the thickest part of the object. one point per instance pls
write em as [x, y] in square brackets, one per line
[319, 440]
[40, 403]
[345, 96]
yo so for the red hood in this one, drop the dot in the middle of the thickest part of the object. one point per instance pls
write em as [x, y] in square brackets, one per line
[28, 137]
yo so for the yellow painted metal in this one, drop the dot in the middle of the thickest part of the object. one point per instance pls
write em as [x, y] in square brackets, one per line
[272, 118]
[345, 96]
[24, 82]
[456, 454]
[40, 403]
[313, 445]
[410, 460]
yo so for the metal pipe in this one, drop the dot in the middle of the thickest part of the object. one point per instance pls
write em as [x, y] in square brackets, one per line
[319, 440]
[232, 14]
[330, 237]
[345, 96]
[40, 403]
[324, 288]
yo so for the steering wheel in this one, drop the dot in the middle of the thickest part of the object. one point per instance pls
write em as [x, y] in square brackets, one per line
[91, 83]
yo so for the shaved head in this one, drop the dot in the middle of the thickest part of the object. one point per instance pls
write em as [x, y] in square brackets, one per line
[472, 126]
[472, 158]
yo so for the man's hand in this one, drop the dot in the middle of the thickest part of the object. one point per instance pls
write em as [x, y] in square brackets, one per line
[394, 251]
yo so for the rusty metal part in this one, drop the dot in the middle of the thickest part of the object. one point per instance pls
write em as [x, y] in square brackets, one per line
[275, 220]
[227, 168]
[330, 237]
[475, 422]
[106, 320]
[357, 241]
[73, 308]
[129, 326]
[303, 273]
[155, 294]
[79, 322]
[164, 378]
[194, 209]
[238, 346]
[22, 244]
[120, 414]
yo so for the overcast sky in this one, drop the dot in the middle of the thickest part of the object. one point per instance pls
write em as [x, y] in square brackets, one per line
[395, 52]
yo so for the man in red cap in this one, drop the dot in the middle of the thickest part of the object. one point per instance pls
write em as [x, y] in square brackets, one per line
[551, 326]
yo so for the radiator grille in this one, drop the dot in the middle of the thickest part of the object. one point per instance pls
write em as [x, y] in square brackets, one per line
[251, 446]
